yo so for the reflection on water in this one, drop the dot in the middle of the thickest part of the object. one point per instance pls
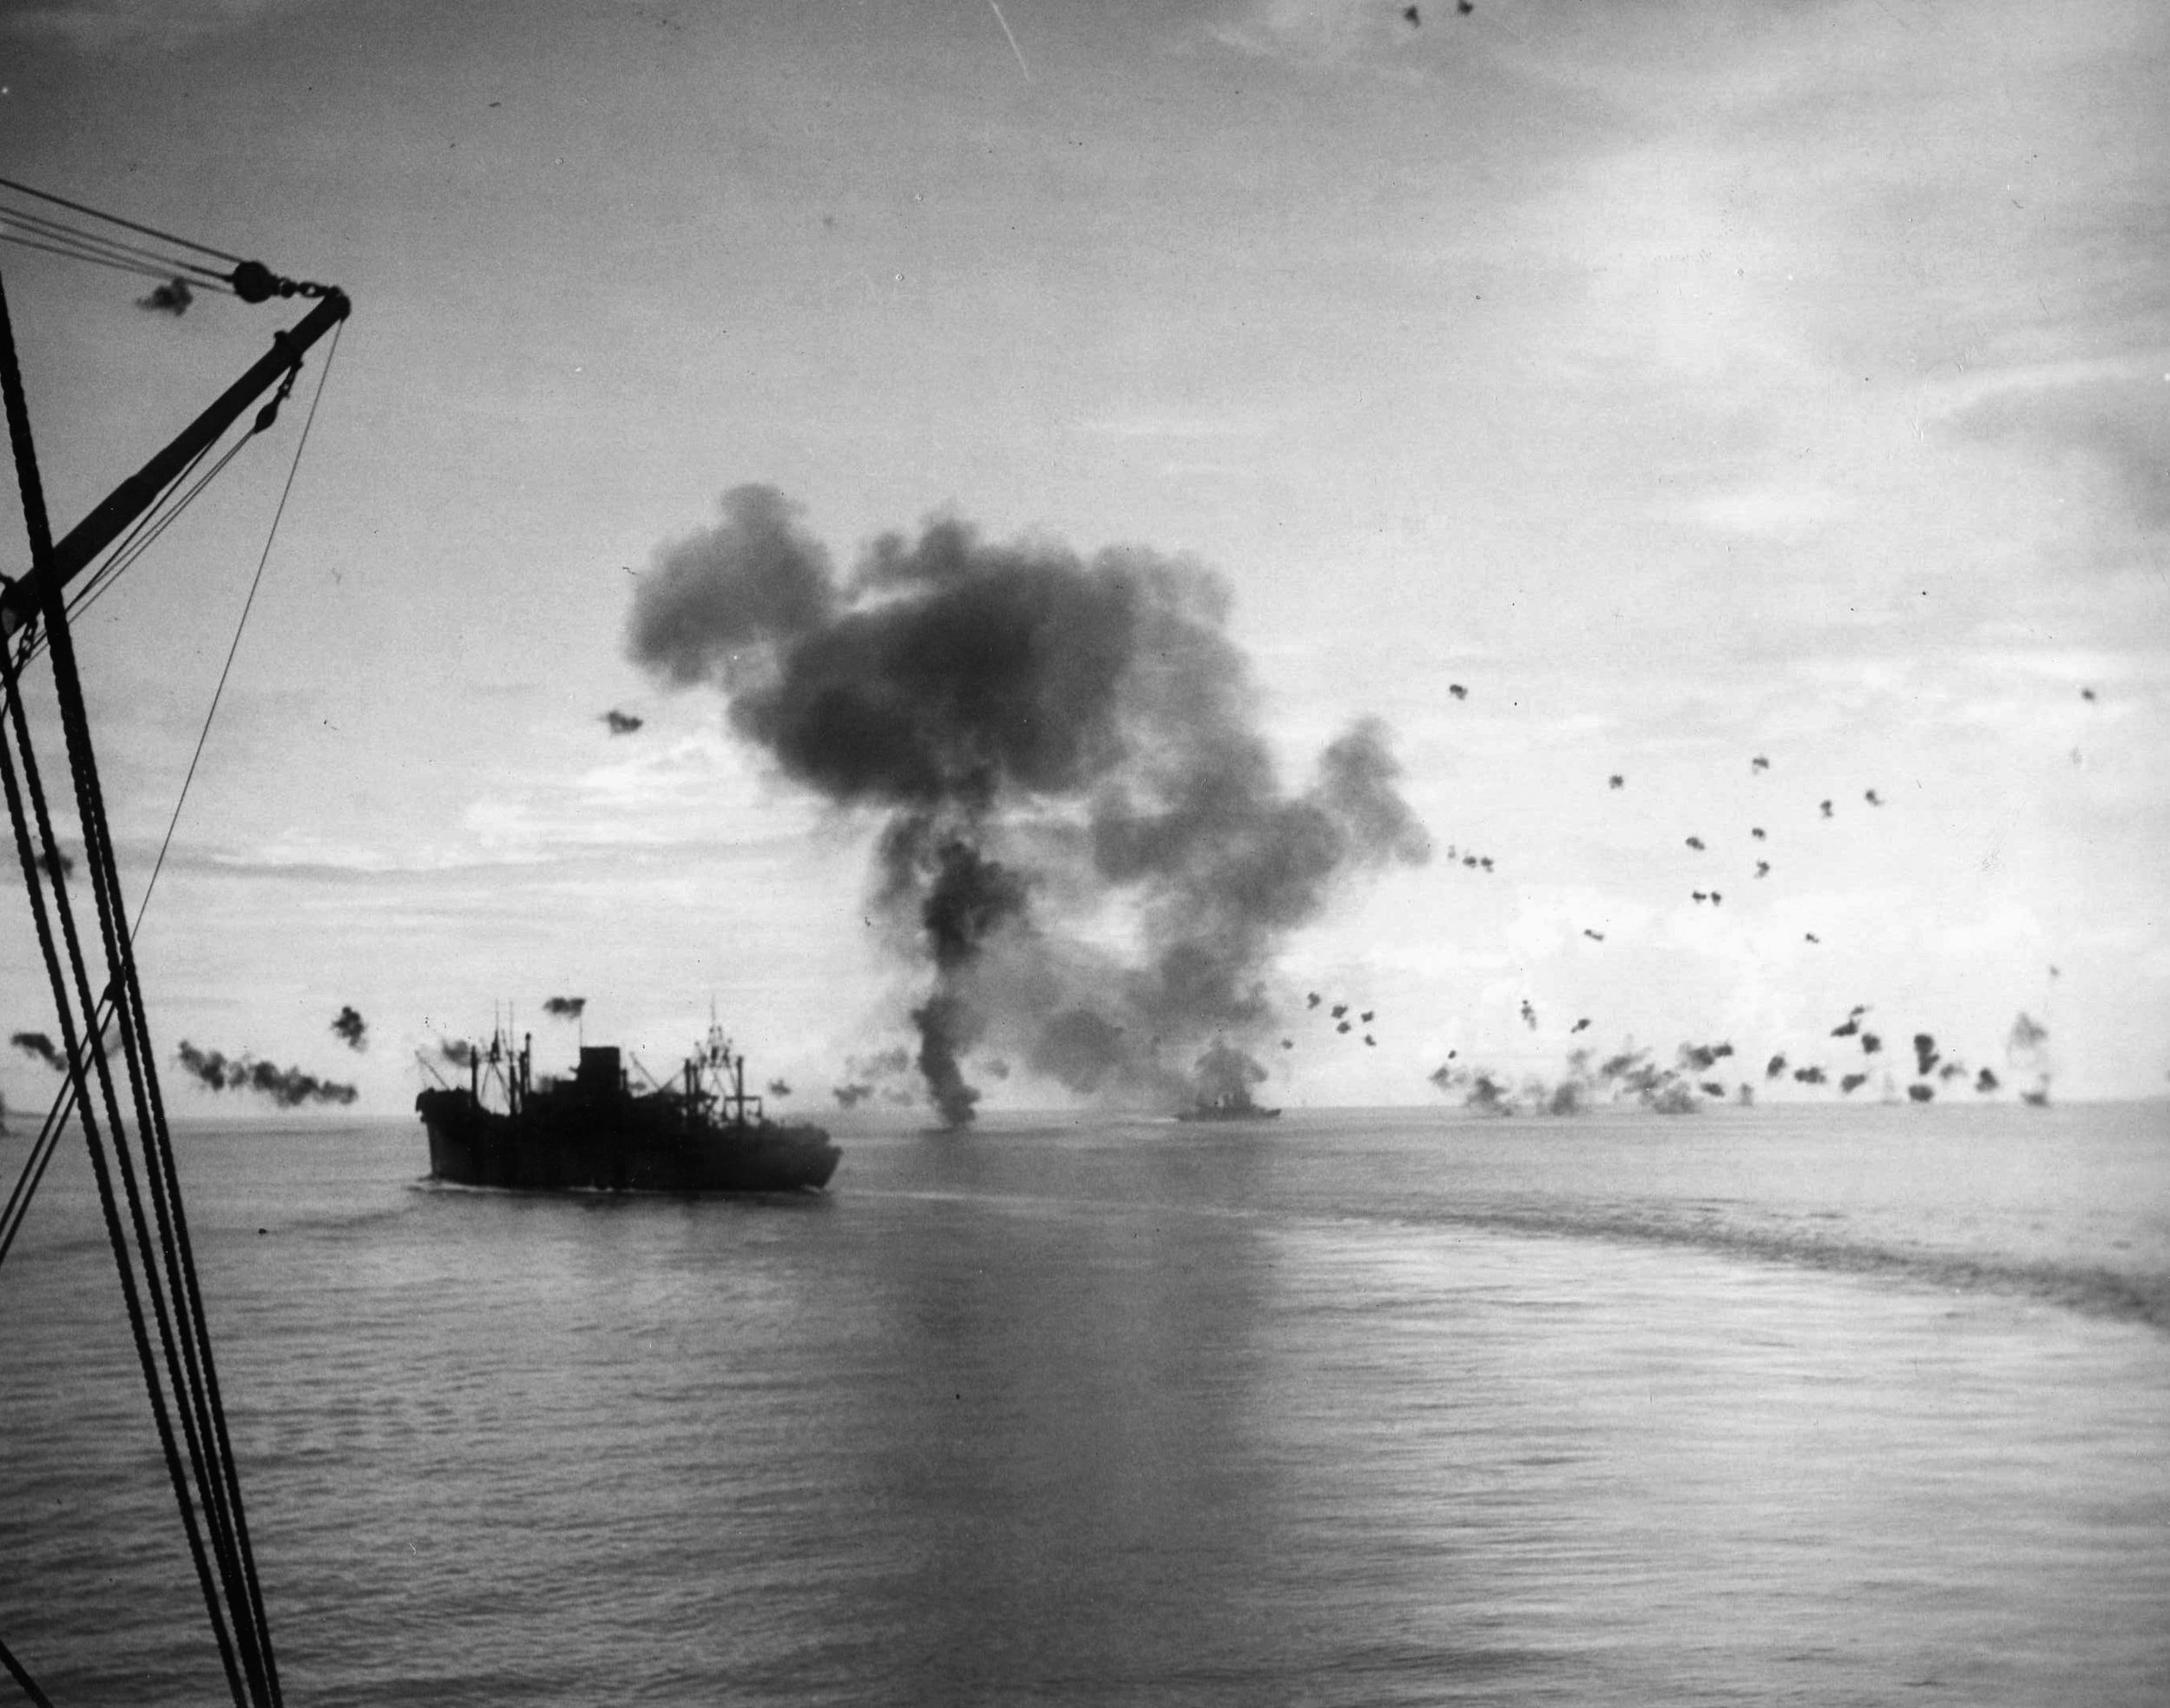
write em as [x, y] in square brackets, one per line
[1365, 1409]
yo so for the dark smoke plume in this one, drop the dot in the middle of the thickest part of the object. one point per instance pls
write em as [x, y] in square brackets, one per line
[565, 1008]
[289, 1087]
[351, 1030]
[37, 1045]
[621, 723]
[1065, 753]
[456, 1051]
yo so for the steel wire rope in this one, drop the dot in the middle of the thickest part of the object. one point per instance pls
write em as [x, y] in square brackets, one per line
[166, 1191]
[41, 546]
[324, 379]
[75, 254]
[40, 1152]
[114, 219]
[140, 538]
[185, 1269]
[61, 238]
[116, 1235]
[194, 1374]
[131, 548]
[22, 1678]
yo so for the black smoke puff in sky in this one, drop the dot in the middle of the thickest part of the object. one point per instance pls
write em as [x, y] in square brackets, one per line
[172, 298]
[351, 1030]
[289, 1087]
[41, 1047]
[1058, 742]
[565, 1008]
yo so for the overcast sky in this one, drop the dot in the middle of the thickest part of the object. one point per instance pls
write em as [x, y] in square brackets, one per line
[1688, 383]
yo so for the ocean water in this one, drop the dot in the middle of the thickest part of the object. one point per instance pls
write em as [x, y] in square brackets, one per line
[1826, 1406]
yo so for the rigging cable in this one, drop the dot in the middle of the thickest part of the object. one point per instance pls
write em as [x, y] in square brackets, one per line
[38, 1698]
[203, 735]
[55, 237]
[114, 219]
[252, 281]
[187, 1366]
[131, 548]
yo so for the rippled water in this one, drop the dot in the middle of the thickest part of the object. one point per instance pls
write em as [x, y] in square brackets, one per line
[1831, 1406]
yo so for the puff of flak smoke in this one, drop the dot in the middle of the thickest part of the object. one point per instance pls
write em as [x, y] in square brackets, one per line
[171, 298]
[564, 1007]
[351, 1030]
[1065, 753]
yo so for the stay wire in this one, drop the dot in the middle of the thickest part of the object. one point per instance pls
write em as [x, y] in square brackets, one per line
[157, 1141]
[159, 515]
[78, 254]
[202, 1418]
[41, 547]
[28, 1685]
[80, 1058]
[323, 379]
[138, 539]
[92, 244]
[114, 219]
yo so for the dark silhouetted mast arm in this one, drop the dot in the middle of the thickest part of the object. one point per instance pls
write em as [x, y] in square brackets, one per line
[23, 600]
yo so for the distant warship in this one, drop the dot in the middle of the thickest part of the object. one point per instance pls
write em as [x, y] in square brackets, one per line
[593, 1131]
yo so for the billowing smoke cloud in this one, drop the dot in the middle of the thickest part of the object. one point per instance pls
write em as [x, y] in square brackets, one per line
[41, 1047]
[1067, 757]
[458, 1051]
[1224, 1076]
[289, 1087]
[351, 1030]
[565, 1008]
[621, 723]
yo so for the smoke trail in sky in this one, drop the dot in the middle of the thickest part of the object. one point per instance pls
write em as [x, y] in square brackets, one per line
[1066, 755]
[41, 1047]
[289, 1087]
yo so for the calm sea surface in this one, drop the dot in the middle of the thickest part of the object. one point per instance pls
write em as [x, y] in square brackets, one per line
[1842, 1405]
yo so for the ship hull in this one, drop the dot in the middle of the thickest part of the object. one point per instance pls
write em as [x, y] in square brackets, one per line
[630, 1148]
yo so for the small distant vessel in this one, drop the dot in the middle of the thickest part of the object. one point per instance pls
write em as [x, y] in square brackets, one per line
[1229, 1106]
[593, 1131]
